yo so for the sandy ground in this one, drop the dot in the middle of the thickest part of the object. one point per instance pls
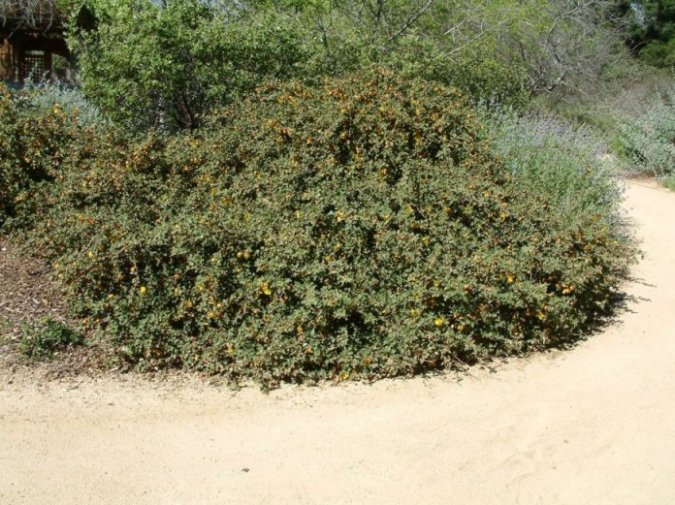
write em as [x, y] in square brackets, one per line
[595, 425]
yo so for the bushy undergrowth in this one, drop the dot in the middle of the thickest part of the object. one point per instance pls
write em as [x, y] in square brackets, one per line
[649, 139]
[364, 228]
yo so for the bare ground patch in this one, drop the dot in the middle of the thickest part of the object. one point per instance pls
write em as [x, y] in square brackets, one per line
[28, 295]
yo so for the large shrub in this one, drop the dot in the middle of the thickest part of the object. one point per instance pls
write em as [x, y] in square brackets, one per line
[359, 229]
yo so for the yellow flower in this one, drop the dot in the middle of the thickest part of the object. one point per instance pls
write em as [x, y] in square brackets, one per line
[439, 321]
[143, 290]
[265, 289]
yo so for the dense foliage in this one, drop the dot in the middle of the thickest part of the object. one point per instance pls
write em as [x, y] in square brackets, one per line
[337, 221]
[360, 228]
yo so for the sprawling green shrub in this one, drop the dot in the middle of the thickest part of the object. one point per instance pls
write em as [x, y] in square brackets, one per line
[649, 140]
[359, 229]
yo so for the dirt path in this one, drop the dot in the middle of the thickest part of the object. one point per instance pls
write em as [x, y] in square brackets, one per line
[595, 425]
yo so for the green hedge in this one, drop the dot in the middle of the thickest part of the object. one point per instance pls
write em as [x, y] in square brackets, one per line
[360, 229]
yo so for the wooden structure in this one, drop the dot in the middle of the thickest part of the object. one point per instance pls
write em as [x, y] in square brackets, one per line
[32, 44]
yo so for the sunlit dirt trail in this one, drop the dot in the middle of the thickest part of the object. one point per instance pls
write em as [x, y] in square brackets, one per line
[594, 425]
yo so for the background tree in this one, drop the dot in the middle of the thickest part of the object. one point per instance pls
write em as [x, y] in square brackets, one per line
[652, 29]
[152, 65]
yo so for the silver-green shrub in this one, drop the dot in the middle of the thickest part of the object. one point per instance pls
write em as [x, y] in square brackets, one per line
[566, 162]
[44, 97]
[649, 140]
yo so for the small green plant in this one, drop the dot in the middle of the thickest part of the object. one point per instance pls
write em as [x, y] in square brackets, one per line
[5, 326]
[43, 338]
[669, 182]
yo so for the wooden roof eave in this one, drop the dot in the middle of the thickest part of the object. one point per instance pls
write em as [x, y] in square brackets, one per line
[43, 19]
[9, 30]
